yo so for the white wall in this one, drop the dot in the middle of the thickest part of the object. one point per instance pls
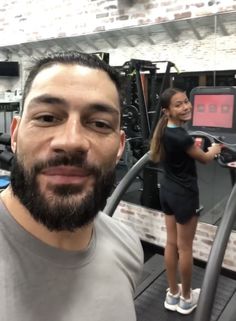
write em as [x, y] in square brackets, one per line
[24, 21]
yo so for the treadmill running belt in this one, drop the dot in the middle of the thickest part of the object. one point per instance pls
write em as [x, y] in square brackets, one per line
[150, 303]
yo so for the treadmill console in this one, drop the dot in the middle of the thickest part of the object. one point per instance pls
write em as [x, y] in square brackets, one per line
[214, 120]
[214, 110]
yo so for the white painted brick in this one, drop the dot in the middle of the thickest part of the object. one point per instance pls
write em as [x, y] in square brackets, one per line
[25, 20]
[156, 232]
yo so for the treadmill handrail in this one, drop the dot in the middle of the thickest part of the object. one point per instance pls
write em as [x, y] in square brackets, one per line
[211, 276]
[120, 189]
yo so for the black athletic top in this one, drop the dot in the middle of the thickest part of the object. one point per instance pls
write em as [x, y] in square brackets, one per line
[179, 167]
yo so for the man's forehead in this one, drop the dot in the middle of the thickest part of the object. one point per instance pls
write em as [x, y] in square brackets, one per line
[48, 72]
[56, 82]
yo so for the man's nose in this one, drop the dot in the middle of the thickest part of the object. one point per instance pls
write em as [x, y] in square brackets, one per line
[71, 135]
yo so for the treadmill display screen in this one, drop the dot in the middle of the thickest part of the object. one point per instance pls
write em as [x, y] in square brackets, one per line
[213, 110]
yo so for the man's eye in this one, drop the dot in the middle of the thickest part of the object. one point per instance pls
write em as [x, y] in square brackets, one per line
[100, 126]
[47, 119]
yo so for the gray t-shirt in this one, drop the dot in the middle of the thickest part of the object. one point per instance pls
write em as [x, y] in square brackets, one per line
[42, 283]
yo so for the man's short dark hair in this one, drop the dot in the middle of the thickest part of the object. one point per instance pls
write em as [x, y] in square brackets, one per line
[70, 58]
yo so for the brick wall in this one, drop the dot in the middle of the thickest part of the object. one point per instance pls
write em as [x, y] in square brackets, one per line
[150, 227]
[27, 21]
[32, 20]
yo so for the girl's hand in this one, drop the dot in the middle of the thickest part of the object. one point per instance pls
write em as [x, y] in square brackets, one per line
[215, 148]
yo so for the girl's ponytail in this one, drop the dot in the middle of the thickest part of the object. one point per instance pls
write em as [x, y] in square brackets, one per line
[157, 151]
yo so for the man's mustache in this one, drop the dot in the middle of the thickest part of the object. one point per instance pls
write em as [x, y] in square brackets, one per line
[75, 160]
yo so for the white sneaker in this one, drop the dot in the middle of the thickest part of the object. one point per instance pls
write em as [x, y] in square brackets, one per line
[186, 306]
[172, 300]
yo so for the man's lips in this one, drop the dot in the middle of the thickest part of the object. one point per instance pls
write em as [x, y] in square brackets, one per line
[66, 174]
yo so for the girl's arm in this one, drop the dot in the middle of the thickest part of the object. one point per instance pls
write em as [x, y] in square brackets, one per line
[204, 157]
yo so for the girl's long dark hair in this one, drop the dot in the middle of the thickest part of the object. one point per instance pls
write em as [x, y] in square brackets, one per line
[157, 150]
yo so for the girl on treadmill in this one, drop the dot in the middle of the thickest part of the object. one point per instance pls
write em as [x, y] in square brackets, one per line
[175, 149]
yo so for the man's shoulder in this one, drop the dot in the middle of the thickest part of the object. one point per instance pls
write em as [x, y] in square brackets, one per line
[124, 243]
[115, 227]
[119, 234]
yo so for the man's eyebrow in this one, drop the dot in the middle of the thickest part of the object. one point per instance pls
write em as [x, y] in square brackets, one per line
[47, 99]
[104, 108]
[53, 100]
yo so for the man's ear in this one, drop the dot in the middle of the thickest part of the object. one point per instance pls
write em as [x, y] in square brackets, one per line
[122, 146]
[14, 130]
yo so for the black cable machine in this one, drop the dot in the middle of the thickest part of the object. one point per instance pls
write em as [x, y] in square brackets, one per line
[140, 114]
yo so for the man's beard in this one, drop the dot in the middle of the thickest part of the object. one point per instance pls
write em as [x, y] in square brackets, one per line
[65, 209]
